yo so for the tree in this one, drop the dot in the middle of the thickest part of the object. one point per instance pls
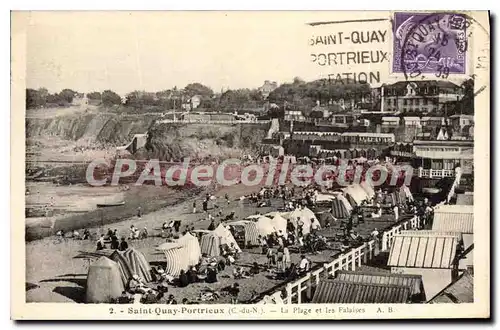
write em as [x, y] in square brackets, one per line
[198, 89]
[110, 98]
[67, 95]
[94, 96]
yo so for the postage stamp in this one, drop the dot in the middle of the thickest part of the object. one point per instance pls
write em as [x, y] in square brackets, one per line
[430, 43]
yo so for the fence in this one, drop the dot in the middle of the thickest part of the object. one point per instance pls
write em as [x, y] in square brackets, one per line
[347, 261]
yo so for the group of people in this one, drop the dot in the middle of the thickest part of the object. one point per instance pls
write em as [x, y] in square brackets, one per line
[111, 238]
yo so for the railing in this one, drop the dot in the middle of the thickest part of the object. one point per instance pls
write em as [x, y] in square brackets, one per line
[428, 173]
[208, 121]
[346, 261]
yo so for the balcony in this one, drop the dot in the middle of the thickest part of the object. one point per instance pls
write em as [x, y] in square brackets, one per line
[429, 173]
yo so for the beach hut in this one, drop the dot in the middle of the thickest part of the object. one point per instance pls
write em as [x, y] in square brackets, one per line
[104, 282]
[132, 262]
[210, 244]
[193, 248]
[338, 209]
[175, 258]
[251, 232]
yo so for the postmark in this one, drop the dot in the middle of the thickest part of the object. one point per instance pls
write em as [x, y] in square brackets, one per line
[430, 43]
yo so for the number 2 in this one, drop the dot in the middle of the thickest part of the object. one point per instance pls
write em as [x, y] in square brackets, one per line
[111, 311]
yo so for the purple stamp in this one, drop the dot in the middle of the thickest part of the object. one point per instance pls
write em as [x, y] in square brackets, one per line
[429, 43]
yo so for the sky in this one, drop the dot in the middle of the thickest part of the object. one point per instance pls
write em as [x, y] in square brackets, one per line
[152, 51]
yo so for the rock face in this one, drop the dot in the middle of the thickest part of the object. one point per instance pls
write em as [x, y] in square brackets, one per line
[167, 141]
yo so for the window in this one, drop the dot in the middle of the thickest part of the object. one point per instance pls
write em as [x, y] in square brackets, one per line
[405, 102]
[425, 101]
[437, 165]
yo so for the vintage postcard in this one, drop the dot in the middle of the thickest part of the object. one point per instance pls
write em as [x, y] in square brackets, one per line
[250, 165]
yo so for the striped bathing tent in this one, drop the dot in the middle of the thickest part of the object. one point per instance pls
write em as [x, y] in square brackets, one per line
[193, 248]
[175, 258]
[132, 262]
[344, 201]
[210, 244]
[250, 229]
[339, 211]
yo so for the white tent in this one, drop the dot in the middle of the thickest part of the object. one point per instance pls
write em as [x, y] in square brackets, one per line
[193, 248]
[368, 188]
[305, 215]
[279, 223]
[226, 236]
[357, 193]
[265, 226]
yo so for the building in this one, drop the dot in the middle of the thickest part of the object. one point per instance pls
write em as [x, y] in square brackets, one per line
[459, 292]
[439, 158]
[457, 219]
[390, 121]
[461, 121]
[411, 121]
[268, 87]
[418, 96]
[428, 254]
[295, 115]
[367, 138]
[432, 121]
[192, 103]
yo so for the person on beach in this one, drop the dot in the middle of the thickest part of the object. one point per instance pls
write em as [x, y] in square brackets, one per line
[123, 245]
[115, 244]
[101, 245]
[211, 226]
[194, 206]
[139, 212]
[205, 205]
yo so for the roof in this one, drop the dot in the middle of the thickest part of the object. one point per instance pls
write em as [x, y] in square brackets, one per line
[390, 118]
[342, 292]
[465, 199]
[418, 251]
[463, 116]
[414, 282]
[428, 233]
[389, 135]
[454, 218]
[459, 291]
[401, 85]
[411, 118]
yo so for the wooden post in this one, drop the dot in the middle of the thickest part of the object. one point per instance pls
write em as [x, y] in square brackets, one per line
[309, 288]
[360, 251]
[299, 293]
[353, 260]
[384, 242]
[366, 250]
[289, 293]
